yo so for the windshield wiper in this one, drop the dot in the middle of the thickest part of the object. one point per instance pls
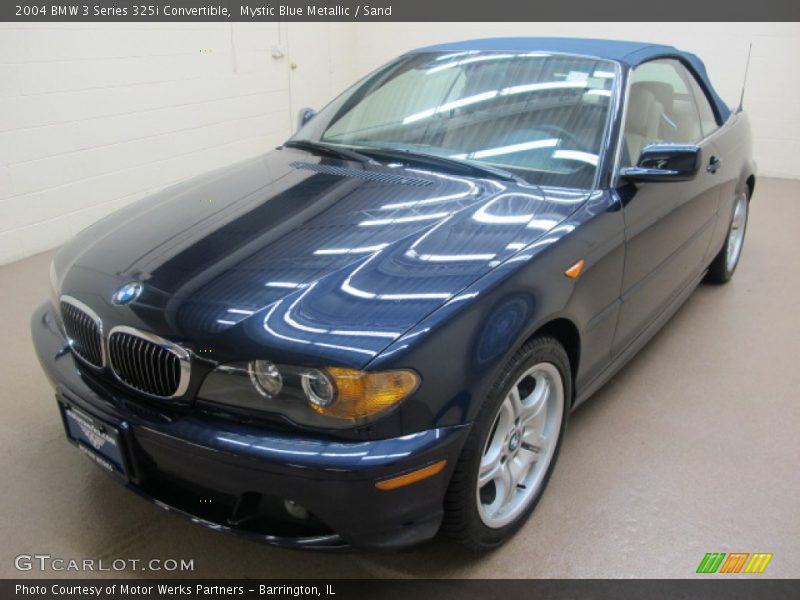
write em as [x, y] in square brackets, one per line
[462, 165]
[405, 155]
[329, 149]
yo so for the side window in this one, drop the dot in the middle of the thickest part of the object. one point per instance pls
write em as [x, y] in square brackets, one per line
[708, 122]
[661, 108]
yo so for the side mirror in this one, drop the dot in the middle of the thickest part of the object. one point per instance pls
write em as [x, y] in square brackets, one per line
[304, 116]
[665, 162]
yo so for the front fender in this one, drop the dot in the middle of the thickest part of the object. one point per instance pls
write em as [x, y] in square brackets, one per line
[460, 349]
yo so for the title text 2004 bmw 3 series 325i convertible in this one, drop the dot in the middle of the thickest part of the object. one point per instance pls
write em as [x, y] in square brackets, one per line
[378, 329]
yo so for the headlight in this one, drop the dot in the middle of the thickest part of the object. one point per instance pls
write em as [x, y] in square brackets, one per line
[265, 377]
[329, 398]
[319, 389]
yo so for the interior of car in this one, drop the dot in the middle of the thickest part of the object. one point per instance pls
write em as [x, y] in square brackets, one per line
[662, 107]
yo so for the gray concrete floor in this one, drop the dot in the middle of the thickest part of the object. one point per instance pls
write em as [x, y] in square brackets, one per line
[694, 447]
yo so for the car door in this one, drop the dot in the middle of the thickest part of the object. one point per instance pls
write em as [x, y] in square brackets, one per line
[668, 224]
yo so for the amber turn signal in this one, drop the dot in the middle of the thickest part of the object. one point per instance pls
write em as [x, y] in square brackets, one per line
[361, 394]
[413, 477]
[575, 270]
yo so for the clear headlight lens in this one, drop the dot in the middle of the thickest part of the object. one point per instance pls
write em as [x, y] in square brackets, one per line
[319, 388]
[330, 398]
[265, 377]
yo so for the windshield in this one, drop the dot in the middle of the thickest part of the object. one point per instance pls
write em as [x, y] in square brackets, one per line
[539, 116]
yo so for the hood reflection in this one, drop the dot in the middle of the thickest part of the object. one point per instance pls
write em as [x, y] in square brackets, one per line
[297, 258]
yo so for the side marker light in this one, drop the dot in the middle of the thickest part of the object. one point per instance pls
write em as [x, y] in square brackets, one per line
[412, 477]
[575, 270]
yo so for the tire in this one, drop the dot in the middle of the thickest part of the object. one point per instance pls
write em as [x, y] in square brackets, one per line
[485, 517]
[724, 264]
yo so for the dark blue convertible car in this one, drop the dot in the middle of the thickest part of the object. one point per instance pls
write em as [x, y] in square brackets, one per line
[378, 329]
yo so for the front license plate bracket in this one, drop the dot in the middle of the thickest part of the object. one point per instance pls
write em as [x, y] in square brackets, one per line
[100, 441]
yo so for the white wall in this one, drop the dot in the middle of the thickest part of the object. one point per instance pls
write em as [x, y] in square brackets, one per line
[93, 117]
[322, 62]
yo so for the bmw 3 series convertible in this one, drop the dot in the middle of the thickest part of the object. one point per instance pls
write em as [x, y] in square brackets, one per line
[377, 330]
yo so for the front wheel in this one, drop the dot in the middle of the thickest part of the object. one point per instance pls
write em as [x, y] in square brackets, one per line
[511, 451]
[724, 264]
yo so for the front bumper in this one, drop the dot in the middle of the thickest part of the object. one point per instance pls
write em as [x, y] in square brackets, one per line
[236, 478]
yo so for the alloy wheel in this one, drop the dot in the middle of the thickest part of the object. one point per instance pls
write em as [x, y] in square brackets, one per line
[521, 445]
[733, 248]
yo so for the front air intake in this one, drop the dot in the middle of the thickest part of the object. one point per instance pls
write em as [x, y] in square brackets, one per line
[148, 364]
[377, 176]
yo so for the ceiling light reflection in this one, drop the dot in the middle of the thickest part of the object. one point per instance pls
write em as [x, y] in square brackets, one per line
[510, 149]
[467, 61]
[411, 219]
[361, 250]
[426, 201]
[542, 85]
[524, 88]
[285, 284]
[484, 216]
[449, 257]
[576, 155]
[466, 101]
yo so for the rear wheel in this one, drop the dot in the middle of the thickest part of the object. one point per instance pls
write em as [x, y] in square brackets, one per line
[512, 448]
[724, 264]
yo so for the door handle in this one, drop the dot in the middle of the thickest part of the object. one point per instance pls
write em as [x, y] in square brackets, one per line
[714, 164]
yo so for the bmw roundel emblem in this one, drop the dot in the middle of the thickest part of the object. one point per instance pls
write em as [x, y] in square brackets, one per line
[127, 293]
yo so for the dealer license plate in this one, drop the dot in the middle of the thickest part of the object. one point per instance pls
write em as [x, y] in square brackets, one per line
[98, 441]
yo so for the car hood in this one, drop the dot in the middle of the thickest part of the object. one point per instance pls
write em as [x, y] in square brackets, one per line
[304, 259]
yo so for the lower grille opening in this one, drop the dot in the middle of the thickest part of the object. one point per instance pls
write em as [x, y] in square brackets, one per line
[251, 511]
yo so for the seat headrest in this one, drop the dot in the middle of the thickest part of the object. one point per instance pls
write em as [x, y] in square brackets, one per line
[640, 103]
[663, 92]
